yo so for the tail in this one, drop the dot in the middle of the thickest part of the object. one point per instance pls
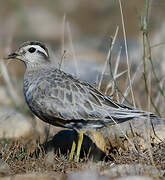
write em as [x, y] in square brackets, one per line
[117, 116]
[114, 116]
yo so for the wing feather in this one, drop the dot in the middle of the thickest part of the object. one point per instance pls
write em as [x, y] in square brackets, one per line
[64, 97]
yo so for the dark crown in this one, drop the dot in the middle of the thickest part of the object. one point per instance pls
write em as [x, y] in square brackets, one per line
[42, 45]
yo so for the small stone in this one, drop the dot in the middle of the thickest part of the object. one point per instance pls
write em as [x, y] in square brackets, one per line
[38, 176]
[133, 170]
[13, 124]
[139, 131]
[85, 175]
[6, 178]
[4, 168]
[4, 97]
[134, 178]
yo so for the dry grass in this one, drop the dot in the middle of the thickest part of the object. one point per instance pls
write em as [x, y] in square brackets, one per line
[16, 155]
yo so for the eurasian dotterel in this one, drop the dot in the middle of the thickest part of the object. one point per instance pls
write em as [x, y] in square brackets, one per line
[62, 100]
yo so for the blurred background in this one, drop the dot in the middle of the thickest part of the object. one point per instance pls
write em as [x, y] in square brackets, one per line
[84, 30]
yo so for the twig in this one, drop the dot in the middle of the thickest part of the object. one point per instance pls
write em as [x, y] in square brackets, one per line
[126, 50]
[63, 35]
[12, 91]
[125, 94]
[110, 84]
[147, 54]
[72, 48]
[108, 57]
[115, 71]
[62, 58]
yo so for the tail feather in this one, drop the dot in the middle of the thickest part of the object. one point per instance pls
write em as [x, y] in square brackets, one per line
[121, 115]
[115, 117]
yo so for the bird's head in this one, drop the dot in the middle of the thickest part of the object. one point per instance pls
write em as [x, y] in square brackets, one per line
[31, 53]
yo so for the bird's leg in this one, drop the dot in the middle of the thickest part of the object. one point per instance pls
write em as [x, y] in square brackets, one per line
[80, 140]
[72, 150]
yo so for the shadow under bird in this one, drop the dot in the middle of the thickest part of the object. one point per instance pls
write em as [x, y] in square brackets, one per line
[62, 100]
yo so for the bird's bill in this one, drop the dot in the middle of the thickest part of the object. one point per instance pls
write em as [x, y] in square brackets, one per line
[13, 56]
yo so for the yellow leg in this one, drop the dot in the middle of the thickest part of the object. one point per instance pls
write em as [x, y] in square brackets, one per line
[80, 140]
[72, 151]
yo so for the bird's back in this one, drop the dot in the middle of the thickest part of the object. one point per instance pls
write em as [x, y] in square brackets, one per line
[60, 99]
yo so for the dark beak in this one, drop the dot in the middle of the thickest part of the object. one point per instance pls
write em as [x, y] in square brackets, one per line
[12, 56]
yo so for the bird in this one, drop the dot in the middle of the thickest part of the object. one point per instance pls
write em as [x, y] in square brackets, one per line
[63, 100]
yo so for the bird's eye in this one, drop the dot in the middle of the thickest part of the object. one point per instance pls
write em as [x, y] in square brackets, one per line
[32, 50]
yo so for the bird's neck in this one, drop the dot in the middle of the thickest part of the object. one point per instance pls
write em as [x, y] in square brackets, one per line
[32, 72]
[32, 67]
